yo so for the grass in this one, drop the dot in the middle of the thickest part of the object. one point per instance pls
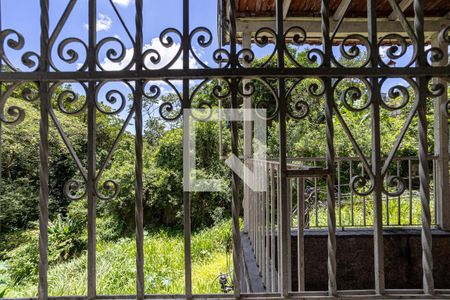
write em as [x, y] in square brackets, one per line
[163, 268]
[353, 215]
[164, 255]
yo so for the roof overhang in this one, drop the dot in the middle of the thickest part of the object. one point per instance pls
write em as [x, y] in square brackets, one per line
[248, 22]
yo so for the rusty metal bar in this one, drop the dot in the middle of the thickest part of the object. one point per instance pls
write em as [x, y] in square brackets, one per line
[427, 256]
[139, 186]
[215, 73]
[91, 154]
[43, 155]
[330, 152]
[376, 154]
[186, 104]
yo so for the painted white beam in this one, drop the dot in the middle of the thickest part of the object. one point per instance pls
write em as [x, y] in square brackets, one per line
[248, 137]
[441, 147]
[286, 6]
[340, 11]
[403, 6]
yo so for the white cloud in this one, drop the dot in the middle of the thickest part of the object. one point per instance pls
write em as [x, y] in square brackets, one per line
[104, 23]
[123, 3]
[383, 50]
[167, 54]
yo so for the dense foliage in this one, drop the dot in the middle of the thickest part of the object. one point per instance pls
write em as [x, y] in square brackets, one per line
[163, 174]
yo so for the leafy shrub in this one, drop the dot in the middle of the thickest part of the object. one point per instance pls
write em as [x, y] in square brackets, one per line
[67, 239]
[18, 202]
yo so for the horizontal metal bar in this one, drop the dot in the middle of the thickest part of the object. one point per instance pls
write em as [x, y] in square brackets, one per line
[353, 294]
[313, 172]
[353, 158]
[225, 73]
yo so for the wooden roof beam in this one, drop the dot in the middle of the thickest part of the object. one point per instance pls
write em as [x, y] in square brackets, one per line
[403, 6]
[286, 6]
[258, 6]
[340, 11]
[350, 25]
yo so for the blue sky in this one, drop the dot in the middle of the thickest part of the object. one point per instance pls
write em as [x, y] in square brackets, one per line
[23, 16]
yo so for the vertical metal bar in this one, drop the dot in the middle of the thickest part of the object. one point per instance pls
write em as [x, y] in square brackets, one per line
[433, 185]
[279, 228]
[441, 141]
[427, 257]
[252, 219]
[388, 222]
[43, 155]
[330, 152]
[253, 200]
[139, 207]
[237, 253]
[364, 200]
[273, 199]
[263, 232]
[258, 235]
[1, 123]
[376, 155]
[316, 200]
[267, 233]
[289, 241]
[410, 191]
[263, 237]
[186, 195]
[339, 192]
[92, 277]
[258, 229]
[434, 192]
[285, 233]
[266, 238]
[399, 212]
[248, 153]
[300, 234]
[352, 218]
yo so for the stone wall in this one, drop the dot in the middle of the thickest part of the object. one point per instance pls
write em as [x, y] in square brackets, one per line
[355, 263]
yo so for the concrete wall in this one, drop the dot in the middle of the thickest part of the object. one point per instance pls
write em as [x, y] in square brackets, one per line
[403, 255]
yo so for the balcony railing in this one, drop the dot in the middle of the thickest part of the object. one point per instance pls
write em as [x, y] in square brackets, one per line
[307, 198]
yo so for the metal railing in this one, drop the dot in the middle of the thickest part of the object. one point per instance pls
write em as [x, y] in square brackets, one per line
[307, 200]
[355, 210]
[62, 60]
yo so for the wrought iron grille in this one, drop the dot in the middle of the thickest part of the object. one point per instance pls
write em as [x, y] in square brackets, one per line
[236, 74]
